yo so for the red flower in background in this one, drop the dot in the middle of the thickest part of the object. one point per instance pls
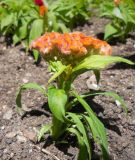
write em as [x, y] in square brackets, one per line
[39, 2]
[42, 8]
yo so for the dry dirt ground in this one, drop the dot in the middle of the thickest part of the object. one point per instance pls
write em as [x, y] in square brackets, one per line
[18, 134]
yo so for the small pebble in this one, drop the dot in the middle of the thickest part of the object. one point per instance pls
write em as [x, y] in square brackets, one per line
[91, 83]
[3, 127]
[10, 135]
[25, 80]
[118, 103]
[30, 135]
[8, 114]
[21, 139]
[8, 141]
[28, 74]
[4, 48]
[11, 155]
[131, 122]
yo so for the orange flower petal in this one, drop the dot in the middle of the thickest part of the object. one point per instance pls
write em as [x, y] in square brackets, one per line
[42, 10]
[75, 44]
[117, 2]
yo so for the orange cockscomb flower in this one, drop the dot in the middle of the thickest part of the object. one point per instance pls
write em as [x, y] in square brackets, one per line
[117, 2]
[42, 10]
[75, 45]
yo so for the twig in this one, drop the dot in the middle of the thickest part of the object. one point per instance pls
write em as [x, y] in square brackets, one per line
[46, 152]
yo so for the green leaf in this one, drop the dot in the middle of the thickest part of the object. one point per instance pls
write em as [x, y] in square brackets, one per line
[97, 62]
[82, 130]
[36, 29]
[53, 21]
[97, 75]
[59, 72]
[111, 94]
[63, 28]
[36, 55]
[82, 146]
[99, 135]
[44, 129]
[22, 32]
[16, 39]
[118, 13]
[8, 20]
[24, 87]
[97, 128]
[57, 100]
[110, 30]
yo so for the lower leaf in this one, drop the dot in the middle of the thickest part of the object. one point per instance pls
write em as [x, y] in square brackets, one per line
[24, 87]
[83, 154]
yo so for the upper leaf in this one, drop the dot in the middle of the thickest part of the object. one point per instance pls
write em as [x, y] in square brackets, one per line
[99, 62]
[36, 29]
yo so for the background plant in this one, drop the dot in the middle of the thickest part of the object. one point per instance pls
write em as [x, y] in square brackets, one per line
[25, 20]
[22, 20]
[66, 14]
[122, 17]
[68, 56]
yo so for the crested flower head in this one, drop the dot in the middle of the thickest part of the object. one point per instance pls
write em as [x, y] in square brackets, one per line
[42, 7]
[38, 2]
[42, 10]
[117, 2]
[67, 45]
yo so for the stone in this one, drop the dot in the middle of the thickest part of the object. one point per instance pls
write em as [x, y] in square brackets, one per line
[131, 122]
[28, 74]
[25, 80]
[118, 103]
[11, 155]
[21, 139]
[3, 127]
[92, 84]
[8, 114]
[10, 135]
[30, 135]
[8, 141]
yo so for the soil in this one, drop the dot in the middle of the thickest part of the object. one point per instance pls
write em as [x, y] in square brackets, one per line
[18, 134]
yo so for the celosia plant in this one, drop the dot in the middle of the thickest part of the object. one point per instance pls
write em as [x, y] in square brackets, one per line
[68, 56]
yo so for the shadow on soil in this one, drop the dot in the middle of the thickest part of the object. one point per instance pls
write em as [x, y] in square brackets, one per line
[97, 108]
[124, 65]
[35, 112]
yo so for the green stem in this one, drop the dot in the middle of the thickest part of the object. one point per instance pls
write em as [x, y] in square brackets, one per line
[58, 128]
